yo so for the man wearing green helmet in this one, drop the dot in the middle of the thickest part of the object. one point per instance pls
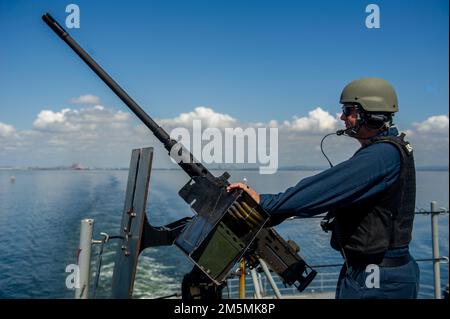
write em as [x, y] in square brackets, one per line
[370, 198]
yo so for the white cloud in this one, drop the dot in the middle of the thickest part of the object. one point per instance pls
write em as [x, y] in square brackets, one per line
[271, 123]
[434, 124]
[409, 133]
[100, 136]
[82, 120]
[317, 120]
[86, 99]
[121, 116]
[53, 121]
[208, 116]
[6, 130]
[94, 136]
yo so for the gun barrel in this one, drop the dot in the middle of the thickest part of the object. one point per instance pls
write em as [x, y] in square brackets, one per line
[191, 167]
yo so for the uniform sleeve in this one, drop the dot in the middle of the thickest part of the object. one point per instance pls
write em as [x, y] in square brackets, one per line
[370, 171]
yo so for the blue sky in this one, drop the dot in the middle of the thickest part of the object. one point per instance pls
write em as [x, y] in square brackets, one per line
[254, 60]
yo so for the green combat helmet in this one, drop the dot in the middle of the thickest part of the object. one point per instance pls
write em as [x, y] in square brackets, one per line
[373, 94]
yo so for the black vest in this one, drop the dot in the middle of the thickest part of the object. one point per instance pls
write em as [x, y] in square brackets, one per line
[384, 221]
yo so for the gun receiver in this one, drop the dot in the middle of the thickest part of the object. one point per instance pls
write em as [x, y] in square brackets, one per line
[226, 224]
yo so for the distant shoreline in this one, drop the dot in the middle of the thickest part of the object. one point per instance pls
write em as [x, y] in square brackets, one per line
[302, 168]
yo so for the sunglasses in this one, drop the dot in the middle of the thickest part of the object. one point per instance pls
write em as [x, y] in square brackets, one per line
[347, 109]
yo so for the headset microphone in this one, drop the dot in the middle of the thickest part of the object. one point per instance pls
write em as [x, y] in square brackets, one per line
[346, 131]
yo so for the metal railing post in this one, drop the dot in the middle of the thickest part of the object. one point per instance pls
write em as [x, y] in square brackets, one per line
[261, 286]
[270, 278]
[436, 256]
[256, 283]
[84, 258]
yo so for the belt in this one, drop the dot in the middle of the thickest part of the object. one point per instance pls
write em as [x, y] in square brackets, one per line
[395, 261]
[381, 261]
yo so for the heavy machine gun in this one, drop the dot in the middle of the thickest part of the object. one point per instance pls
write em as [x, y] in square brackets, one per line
[227, 225]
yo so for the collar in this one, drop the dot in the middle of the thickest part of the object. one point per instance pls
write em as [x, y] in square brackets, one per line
[392, 131]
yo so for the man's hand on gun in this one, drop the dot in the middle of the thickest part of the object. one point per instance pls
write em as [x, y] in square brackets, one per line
[246, 188]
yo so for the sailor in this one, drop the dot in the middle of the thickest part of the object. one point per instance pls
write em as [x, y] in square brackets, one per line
[370, 198]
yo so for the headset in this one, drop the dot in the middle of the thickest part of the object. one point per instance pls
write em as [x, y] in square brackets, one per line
[377, 121]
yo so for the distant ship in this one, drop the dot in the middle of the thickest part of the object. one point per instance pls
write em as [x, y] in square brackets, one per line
[77, 167]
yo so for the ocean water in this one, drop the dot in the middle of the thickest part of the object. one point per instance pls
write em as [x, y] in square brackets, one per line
[40, 215]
